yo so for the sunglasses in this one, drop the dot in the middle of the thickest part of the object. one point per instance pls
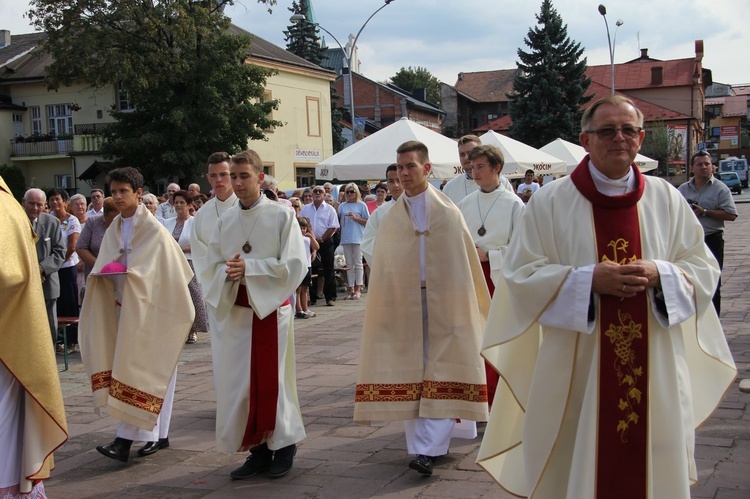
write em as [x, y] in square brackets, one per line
[351, 192]
[319, 192]
[609, 133]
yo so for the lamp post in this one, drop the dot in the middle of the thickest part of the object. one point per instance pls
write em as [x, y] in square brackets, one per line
[611, 41]
[347, 57]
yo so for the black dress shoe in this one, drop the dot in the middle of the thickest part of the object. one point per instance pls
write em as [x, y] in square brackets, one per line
[423, 464]
[282, 461]
[152, 447]
[119, 449]
[258, 461]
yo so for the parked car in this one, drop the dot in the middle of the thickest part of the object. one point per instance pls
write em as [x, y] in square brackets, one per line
[738, 165]
[731, 180]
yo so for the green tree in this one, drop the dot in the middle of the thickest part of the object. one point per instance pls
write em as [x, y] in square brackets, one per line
[419, 77]
[13, 176]
[656, 146]
[182, 68]
[549, 88]
[303, 40]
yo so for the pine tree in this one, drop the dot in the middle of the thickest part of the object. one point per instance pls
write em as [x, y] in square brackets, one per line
[550, 86]
[302, 37]
[303, 40]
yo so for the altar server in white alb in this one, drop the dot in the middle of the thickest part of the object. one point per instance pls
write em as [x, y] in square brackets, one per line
[609, 349]
[491, 213]
[395, 190]
[256, 259]
[204, 223]
[462, 185]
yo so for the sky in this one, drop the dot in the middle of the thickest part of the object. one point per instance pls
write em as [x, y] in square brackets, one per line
[448, 37]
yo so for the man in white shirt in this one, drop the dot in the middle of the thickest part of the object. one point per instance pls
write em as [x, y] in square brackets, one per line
[324, 221]
[97, 203]
[166, 209]
[609, 350]
[528, 186]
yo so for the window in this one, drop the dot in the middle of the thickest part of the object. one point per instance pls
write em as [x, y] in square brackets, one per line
[492, 116]
[123, 99]
[305, 176]
[17, 124]
[35, 112]
[715, 131]
[268, 168]
[59, 119]
[63, 181]
[313, 116]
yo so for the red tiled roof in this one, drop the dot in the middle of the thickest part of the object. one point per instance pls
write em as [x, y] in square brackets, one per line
[502, 123]
[486, 86]
[635, 75]
[731, 106]
[651, 112]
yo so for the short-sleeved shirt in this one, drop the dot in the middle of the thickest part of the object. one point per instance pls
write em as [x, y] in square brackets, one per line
[522, 187]
[322, 218]
[166, 210]
[713, 196]
[351, 230]
[91, 237]
[68, 227]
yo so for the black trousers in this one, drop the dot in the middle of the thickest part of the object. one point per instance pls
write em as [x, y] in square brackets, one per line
[715, 243]
[324, 269]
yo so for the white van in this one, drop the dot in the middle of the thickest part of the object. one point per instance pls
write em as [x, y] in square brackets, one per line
[738, 165]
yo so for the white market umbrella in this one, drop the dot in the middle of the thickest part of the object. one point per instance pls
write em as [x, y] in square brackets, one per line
[573, 154]
[368, 158]
[519, 157]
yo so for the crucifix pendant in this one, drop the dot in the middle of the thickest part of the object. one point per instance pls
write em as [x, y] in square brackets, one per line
[482, 231]
[246, 247]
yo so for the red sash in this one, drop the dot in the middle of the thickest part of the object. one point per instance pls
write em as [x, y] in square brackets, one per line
[622, 443]
[264, 376]
[492, 376]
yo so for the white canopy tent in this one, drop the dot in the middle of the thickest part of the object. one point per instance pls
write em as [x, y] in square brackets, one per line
[368, 158]
[519, 157]
[573, 154]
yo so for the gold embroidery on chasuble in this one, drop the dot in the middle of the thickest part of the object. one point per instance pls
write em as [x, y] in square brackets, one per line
[134, 397]
[100, 380]
[410, 392]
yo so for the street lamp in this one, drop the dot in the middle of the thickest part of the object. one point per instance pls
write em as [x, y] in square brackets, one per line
[347, 69]
[611, 41]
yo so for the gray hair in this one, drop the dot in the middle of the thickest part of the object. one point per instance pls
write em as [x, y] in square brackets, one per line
[150, 197]
[35, 191]
[270, 182]
[76, 197]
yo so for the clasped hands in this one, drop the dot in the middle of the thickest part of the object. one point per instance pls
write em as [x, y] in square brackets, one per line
[235, 268]
[626, 280]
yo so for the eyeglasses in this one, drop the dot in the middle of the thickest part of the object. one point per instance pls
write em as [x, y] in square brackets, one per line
[295, 206]
[351, 192]
[609, 133]
[318, 191]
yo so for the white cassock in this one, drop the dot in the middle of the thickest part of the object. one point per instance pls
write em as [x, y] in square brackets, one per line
[461, 186]
[274, 268]
[499, 212]
[542, 434]
[204, 223]
[368, 238]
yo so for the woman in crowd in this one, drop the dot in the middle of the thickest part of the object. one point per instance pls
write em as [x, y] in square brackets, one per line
[67, 303]
[381, 191]
[199, 201]
[353, 215]
[311, 248]
[151, 202]
[78, 207]
[296, 204]
[307, 196]
[92, 234]
[180, 228]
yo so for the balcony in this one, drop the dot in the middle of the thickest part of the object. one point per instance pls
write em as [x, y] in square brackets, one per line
[89, 137]
[41, 146]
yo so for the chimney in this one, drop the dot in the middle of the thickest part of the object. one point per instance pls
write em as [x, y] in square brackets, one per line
[699, 50]
[460, 76]
[4, 37]
[657, 75]
[644, 53]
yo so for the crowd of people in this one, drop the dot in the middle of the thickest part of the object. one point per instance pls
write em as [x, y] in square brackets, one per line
[576, 319]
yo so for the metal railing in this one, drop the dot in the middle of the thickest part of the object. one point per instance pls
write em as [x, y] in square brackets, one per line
[62, 147]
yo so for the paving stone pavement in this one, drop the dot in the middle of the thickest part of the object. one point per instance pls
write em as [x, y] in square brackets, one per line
[340, 459]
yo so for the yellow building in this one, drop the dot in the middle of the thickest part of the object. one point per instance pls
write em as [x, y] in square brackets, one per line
[55, 136]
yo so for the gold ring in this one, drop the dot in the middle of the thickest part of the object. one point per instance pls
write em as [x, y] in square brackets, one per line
[623, 288]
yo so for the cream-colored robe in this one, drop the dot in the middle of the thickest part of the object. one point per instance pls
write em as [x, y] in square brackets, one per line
[274, 268]
[25, 348]
[541, 437]
[460, 186]
[131, 361]
[371, 229]
[457, 303]
[501, 210]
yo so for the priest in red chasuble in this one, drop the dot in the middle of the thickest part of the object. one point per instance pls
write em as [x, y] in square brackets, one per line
[609, 350]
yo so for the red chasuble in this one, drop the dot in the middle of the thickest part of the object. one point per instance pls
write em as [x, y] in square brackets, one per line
[492, 376]
[264, 376]
[622, 443]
